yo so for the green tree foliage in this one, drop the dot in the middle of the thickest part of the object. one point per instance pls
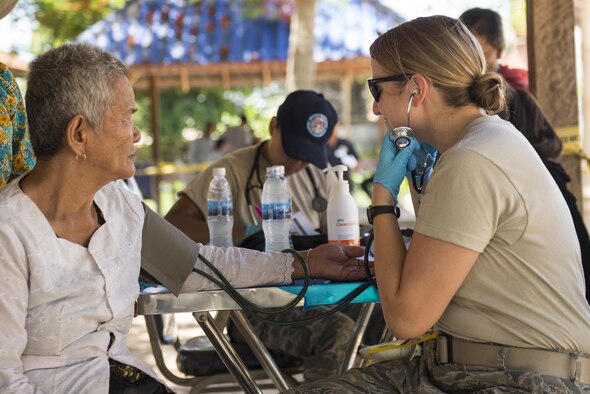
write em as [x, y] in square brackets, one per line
[181, 110]
[63, 20]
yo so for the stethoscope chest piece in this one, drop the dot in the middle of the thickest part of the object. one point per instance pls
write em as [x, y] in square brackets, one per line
[400, 136]
[319, 204]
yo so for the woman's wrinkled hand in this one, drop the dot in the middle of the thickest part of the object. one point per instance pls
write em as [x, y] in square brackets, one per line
[393, 164]
[335, 262]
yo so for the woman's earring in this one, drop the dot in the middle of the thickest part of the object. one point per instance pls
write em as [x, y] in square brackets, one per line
[400, 134]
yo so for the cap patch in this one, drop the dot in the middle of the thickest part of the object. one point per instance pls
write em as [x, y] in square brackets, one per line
[317, 125]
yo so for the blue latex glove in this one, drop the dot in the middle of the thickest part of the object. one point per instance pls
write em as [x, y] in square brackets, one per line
[416, 163]
[392, 165]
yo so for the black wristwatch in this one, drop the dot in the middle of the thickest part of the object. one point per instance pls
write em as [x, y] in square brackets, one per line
[373, 211]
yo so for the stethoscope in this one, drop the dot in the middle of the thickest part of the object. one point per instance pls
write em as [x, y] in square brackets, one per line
[400, 134]
[400, 138]
[319, 203]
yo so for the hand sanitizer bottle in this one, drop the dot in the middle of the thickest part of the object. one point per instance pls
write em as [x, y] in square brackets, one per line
[343, 215]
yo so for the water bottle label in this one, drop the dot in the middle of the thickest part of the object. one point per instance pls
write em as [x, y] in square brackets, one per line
[276, 211]
[220, 208]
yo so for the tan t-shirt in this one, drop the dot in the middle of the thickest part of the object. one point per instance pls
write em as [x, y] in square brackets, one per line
[238, 166]
[491, 193]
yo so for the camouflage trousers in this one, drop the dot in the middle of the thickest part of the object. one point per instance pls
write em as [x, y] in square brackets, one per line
[321, 344]
[425, 375]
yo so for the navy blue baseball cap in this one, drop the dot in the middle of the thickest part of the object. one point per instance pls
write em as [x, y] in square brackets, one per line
[307, 121]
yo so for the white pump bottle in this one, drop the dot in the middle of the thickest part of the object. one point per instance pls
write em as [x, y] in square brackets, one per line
[343, 215]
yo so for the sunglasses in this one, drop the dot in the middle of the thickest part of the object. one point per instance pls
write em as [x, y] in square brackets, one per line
[373, 83]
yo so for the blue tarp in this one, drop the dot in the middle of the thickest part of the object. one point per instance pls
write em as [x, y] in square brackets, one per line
[333, 293]
[236, 31]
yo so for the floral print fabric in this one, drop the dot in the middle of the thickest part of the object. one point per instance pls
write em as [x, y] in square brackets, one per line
[16, 153]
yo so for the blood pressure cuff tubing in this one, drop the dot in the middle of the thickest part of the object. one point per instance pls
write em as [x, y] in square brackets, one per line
[167, 254]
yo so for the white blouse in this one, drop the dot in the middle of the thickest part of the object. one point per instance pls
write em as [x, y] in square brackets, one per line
[66, 309]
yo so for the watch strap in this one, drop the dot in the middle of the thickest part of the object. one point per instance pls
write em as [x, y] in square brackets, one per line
[373, 211]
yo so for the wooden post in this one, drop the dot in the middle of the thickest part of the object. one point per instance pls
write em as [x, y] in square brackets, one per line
[155, 123]
[345, 116]
[300, 65]
[552, 72]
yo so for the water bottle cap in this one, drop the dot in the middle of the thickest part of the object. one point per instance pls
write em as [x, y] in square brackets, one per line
[219, 171]
[279, 170]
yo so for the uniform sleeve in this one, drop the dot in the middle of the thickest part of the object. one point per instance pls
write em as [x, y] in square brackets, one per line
[196, 190]
[14, 297]
[469, 200]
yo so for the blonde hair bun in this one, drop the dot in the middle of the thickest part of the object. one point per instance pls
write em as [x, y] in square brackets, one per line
[488, 91]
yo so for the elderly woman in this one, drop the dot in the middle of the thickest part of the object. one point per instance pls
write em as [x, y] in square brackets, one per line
[71, 239]
[494, 263]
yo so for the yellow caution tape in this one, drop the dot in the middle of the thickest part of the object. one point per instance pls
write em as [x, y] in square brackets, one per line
[570, 138]
[423, 338]
[167, 168]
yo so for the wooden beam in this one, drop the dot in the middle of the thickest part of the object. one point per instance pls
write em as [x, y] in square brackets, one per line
[239, 74]
[552, 67]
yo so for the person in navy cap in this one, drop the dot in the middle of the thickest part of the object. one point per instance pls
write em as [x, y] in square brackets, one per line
[299, 133]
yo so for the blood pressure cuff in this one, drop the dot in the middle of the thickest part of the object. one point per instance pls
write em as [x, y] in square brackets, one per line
[167, 254]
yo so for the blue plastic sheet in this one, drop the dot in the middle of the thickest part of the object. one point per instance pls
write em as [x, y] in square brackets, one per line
[333, 293]
[220, 31]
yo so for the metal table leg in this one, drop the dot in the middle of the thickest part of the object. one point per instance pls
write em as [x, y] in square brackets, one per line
[227, 353]
[260, 351]
[359, 330]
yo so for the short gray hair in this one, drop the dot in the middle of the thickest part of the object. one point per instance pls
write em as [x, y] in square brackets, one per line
[73, 79]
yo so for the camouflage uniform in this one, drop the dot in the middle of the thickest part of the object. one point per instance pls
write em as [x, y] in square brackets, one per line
[424, 375]
[321, 344]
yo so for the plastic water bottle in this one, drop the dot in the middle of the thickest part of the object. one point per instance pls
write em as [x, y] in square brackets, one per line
[276, 210]
[221, 211]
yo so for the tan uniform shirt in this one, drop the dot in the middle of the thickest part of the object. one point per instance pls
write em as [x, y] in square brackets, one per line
[491, 193]
[238, 166]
